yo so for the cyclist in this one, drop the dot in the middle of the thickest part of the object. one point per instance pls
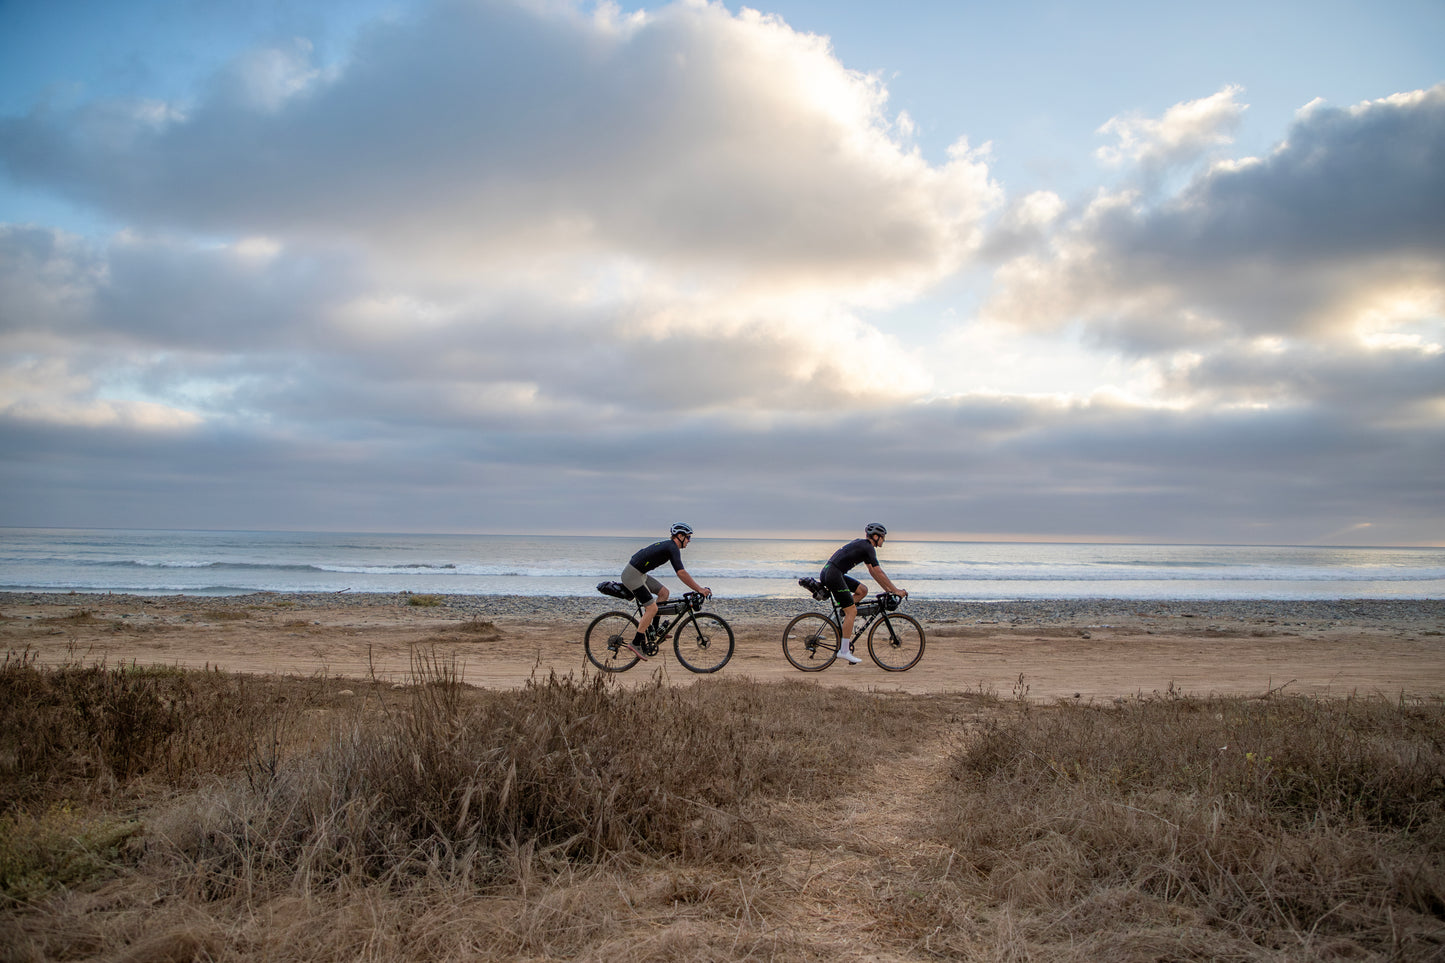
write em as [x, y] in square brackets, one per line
[847, 590]
[643, 586]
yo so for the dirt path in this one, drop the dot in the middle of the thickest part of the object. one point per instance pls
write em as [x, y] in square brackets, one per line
[1044, 660]
[880, 833]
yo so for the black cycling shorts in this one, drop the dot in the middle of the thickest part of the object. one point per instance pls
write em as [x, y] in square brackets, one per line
[842, 586]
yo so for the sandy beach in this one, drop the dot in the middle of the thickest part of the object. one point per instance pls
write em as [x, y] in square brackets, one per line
[1089, 649]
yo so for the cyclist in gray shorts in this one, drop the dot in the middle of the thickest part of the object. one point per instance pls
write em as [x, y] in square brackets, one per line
[643, 586]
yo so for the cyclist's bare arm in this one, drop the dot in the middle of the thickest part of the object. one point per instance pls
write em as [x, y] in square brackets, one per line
[691, 583]
[877, 575]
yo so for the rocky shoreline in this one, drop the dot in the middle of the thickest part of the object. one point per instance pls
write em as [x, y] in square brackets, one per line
[1043, 611]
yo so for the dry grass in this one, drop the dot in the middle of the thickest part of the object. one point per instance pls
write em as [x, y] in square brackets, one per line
[1218, 828]
[84, 730]
[226, 615]
[243, 818]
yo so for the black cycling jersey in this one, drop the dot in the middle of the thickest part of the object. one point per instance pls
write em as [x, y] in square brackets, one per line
[655, 554]
[858, 550]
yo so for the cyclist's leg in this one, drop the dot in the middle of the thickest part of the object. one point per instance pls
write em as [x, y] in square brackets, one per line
[850, 609]
[642, 587]
[845, 591]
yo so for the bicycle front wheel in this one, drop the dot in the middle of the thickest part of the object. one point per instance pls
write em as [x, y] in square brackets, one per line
[896, 642]
[810, 642]
[703, 643]
[605, 638]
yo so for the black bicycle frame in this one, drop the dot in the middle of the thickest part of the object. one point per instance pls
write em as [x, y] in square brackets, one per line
[879, 608]
[657, 630]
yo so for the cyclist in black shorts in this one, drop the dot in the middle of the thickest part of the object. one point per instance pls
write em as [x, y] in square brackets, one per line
[846, 589]
[643, 586]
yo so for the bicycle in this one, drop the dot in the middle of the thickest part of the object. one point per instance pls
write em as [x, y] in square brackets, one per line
[702, 641]
[895, 640]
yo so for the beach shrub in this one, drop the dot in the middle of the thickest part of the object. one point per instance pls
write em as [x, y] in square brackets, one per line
[484, 786]
[1250, 823]
[77, 728]
[63, 847]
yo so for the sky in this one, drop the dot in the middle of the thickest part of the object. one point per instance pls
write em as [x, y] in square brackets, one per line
[1040, 270]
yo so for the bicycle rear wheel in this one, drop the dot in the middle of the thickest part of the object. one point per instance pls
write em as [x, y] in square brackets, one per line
[810, 642]
[605, 638]
[703, 643]
[896, 642]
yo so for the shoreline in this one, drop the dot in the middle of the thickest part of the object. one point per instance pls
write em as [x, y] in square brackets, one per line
[929, 610]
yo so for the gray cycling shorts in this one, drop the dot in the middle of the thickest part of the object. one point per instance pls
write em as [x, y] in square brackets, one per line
[642, 586]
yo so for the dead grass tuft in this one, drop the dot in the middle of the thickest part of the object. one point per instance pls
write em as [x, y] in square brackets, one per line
[500, 787]
[79, 730]
[1277, 824]
[480, 630]
[225, 615]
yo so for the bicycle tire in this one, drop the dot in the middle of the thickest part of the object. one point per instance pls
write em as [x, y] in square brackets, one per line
[810, 642]
[899, 646]
[604, 639]
[699, 642]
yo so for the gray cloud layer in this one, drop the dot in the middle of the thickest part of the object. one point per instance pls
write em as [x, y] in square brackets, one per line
[1313, 276]
[510, 267]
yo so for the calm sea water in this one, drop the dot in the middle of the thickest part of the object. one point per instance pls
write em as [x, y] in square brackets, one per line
[226, 563]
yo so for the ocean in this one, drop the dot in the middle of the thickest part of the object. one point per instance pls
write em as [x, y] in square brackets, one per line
[234, 563]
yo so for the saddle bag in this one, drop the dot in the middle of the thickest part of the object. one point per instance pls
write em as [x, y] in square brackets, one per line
[614, 589]
[820, 593]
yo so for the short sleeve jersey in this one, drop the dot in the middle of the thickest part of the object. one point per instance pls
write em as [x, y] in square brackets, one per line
[858, 550]
[655, 554]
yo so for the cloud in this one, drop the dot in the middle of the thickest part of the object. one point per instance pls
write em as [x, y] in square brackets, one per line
[1329, 250]
[494, 212]
[685, 139]
[1184, 133]
[47, 392]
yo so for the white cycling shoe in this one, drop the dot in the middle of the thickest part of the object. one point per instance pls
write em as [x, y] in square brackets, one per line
[848, 657]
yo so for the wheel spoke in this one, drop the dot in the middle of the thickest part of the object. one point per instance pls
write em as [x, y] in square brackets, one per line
[810, 642]
[896, 642]
[605, 642]
[703, 643]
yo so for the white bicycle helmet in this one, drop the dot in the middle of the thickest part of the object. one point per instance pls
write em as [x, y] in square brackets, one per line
[681, 528]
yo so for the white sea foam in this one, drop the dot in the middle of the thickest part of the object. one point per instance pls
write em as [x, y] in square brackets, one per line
[228, 562]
